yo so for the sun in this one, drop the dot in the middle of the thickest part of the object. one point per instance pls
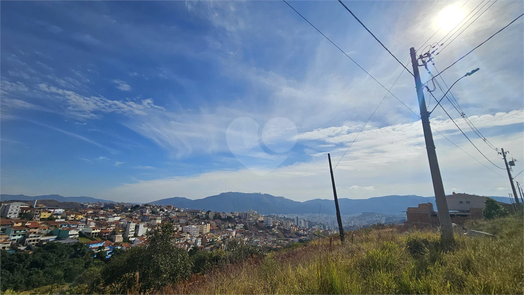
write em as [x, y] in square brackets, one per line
[449, 17]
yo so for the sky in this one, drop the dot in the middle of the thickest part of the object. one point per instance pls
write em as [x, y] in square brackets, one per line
[139, 101]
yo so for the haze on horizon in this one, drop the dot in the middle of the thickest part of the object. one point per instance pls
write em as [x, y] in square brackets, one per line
[141, 101]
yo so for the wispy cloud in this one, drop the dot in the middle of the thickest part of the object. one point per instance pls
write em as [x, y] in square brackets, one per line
[90, 107]
[118, 163]
[74, 135]
[103, 158]
[122, 85]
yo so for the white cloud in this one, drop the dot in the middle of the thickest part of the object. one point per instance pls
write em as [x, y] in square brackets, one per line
[369, 188]
[118, 163]
[387, 160]
[89, 107]
[122, 85]
[103, 158]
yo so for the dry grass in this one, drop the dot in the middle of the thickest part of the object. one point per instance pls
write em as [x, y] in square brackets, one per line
[379, 262]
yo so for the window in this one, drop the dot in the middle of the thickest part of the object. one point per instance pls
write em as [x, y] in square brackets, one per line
[467, 202]
[461, 202]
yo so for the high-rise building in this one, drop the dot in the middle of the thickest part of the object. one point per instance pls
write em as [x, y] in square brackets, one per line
[193, 230]
[140, 230]
[205, 228]
[130, 230]
[268, 221]
[11, 210]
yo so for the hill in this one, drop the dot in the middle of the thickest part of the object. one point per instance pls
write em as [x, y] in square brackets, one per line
[6, 197]
[268, 204]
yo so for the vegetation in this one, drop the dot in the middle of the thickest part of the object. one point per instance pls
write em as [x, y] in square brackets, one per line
[382, 261]
[493, 209]
[373, 261]
[52, 264]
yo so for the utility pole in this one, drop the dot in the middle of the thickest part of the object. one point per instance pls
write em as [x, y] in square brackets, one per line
[520, 191]
[510, 178]
[438, 187]
[339, 219]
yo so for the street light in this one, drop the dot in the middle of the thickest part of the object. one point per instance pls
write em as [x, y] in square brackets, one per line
[467, 74]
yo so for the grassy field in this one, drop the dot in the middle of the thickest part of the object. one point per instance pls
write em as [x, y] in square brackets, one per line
[381, 261]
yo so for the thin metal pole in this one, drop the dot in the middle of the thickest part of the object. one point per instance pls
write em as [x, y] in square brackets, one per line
[339, 219]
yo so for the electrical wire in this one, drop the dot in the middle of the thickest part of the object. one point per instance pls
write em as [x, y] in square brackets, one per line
[467, 137]
[465, 21]
[448, 43]
[388, 91]
[433, 128]
[461, 112]
[351, 12]
[455, 62]
[517, 174]
[343, 52]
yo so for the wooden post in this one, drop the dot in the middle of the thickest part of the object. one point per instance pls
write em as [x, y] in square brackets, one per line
[339, 219]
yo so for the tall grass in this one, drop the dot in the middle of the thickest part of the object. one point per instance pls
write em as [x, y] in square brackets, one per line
[379, 262]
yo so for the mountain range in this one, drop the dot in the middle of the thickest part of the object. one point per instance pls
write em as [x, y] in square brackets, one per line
[268, 204]
[59, 198]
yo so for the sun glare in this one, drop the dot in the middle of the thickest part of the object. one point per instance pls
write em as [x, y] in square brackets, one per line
[449, 17]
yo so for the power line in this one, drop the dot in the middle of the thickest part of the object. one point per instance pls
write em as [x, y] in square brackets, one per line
[518, 174]
[461, 112]
[349, 10]
[343, 52]
[433, 128]
[464, 19]
[448, 43]
[460, 129]
[463, 22]
[478, 46]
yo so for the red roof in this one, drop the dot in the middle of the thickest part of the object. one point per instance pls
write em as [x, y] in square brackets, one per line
[33, 224]
[127, 245]
[6, 221]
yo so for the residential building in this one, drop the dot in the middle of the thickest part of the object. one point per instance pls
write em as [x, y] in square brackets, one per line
[193, 230]
[130, 230]
[11, 210]
[140, 229]
[268, 221]
[205, 228]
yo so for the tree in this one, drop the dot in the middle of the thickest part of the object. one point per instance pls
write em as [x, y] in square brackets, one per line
[492, 209]
[148, 269]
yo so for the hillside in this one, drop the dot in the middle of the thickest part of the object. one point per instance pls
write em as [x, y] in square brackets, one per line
[381, 261]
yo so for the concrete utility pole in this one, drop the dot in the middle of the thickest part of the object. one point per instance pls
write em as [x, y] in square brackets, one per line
[339, 219]
[510, 178]
[438, 187]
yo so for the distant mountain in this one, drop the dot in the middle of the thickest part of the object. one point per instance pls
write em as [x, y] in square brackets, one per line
[59, 198]
[268, 204]
[228, 202]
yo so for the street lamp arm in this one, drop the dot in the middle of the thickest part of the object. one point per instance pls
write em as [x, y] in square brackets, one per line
[467, 74]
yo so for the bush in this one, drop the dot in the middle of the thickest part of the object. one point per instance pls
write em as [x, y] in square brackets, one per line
[492, 209]
[146, 269]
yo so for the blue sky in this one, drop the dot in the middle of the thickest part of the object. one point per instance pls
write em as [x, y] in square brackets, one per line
[137, 101]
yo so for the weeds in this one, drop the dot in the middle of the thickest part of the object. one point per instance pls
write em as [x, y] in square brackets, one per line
[384, 261]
